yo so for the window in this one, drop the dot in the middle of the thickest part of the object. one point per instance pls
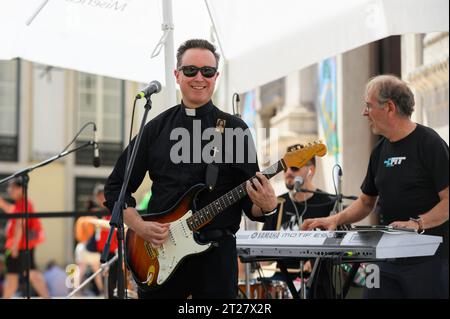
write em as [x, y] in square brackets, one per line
[272, 96]
[84, 187]
[9, 110]
[100, 100]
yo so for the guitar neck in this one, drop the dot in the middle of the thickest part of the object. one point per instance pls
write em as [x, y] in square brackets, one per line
[207, 213]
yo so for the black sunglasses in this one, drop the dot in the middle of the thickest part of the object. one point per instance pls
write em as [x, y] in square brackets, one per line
[294, 169]
[190, 71]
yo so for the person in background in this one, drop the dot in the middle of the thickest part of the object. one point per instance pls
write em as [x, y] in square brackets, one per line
[295, 206]
[16, 254]
[87, 233]
[143, 205]
[55, 277]
[101, 238]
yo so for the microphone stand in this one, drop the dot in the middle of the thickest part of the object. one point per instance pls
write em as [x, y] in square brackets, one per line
[337, 208]
[23, 174]
[117, 213]
[338, 205]
[302, 262]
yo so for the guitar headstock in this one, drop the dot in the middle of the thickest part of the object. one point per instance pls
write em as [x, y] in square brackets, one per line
[298, 155]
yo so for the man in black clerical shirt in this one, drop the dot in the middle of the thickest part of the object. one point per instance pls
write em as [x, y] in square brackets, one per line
[175, 150]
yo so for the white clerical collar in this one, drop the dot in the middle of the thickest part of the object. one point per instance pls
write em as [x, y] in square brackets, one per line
[190, 112]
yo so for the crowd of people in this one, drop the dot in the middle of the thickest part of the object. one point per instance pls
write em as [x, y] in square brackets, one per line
[91, 237]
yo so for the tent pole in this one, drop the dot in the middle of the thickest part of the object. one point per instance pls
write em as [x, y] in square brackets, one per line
[169, 54]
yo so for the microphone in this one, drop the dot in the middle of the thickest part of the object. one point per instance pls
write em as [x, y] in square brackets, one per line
[339, 185]
[298, 182]
[96, 160]
[238, 100]
[152, 88]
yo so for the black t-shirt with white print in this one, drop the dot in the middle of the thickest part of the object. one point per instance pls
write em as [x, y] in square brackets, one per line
[408, 175]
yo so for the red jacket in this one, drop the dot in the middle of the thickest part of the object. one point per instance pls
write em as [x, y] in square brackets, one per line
[101, 241]
[35, 231]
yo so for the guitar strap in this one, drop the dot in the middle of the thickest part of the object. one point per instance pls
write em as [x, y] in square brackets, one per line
[212, 170]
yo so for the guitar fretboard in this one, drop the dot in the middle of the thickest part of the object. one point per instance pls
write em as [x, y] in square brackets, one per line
[207, 213]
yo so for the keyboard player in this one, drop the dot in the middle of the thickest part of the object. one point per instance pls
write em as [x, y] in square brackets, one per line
[408, 174]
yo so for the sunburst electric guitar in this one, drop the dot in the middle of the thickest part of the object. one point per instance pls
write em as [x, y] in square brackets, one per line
[152, 267]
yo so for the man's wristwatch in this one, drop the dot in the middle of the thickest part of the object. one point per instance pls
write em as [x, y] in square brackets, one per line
[418, 220]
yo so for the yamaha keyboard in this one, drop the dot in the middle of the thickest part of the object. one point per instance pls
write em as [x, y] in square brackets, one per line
[364, 245]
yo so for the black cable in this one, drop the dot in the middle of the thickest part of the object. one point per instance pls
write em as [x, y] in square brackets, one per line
[338, 196]
[334, 180]
[336, 281]
[317, 275]
[263, 283]
[131, 131]
[124, 253]
[128, 157]
[333, 280]
[304, 209]
[340, 262]
[132, 120]
[79, 132]
[333, 292]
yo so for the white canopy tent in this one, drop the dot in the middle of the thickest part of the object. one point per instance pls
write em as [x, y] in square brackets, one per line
[261, 40]
[266, 40]
[112, 38]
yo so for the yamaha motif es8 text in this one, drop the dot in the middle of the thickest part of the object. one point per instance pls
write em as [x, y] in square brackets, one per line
[335, 244]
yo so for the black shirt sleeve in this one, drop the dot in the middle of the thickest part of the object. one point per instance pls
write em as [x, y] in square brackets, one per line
[114, 182]
[435, 159]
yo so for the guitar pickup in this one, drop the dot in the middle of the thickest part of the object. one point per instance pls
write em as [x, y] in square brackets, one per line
[152, 252]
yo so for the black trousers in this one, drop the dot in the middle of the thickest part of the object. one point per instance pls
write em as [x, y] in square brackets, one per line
[18, 265]
[209, 275]
[427, 279]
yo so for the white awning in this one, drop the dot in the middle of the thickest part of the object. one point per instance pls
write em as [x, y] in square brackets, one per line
[111, 38]
[262, 40]
[267, 40]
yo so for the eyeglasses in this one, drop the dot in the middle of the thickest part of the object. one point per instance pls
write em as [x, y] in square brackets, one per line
[294, 169]
[190, 71]
[369, 106]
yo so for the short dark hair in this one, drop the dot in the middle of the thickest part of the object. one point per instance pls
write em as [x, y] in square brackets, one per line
[17, 181]
[390, 87]
[196, 44]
